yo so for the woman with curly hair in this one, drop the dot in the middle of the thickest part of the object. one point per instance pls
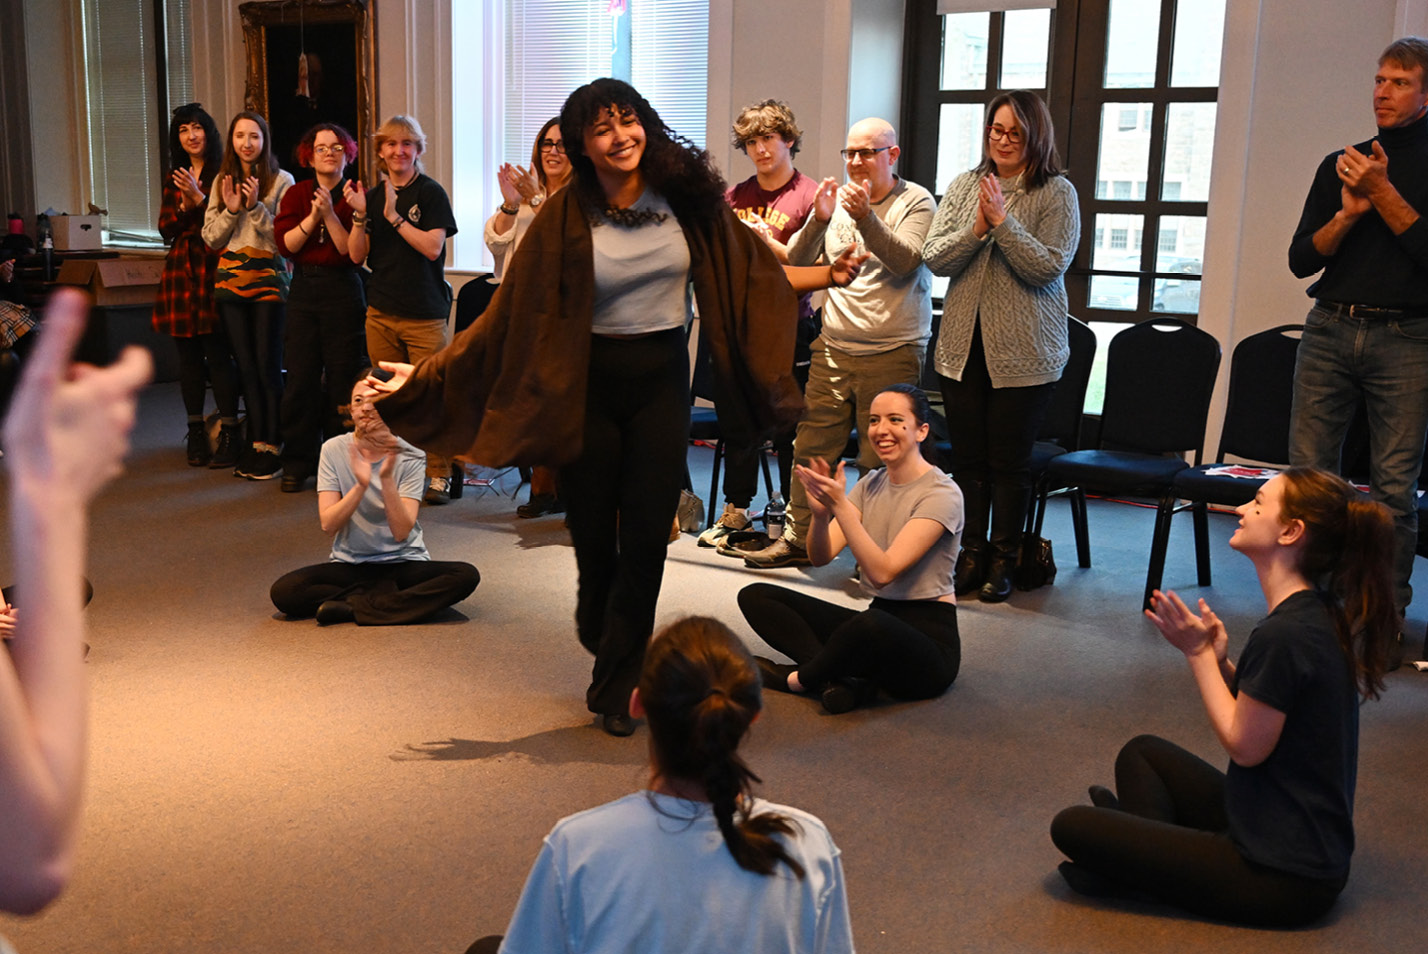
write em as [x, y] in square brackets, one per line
[325, 342]
[1268, 841]
[185, 309]
[591, 372]
[639, 873]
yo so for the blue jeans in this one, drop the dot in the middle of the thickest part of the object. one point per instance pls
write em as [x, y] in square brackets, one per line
[1383, 364]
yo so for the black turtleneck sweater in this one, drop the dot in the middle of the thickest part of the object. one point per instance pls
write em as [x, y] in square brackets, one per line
[1372, 266]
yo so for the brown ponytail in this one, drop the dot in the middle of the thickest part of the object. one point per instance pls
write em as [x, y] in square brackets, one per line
[700, 690]
[1348, 553]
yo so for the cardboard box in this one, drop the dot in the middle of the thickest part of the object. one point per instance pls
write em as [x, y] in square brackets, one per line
[75, 232]
[115, 281]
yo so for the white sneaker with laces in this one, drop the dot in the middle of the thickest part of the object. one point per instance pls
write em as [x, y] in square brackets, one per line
[733, 518]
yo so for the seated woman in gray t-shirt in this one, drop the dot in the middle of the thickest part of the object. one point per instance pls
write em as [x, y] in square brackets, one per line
[369, 487]
[903, 523]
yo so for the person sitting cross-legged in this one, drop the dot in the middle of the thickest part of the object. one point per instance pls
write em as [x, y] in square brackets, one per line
[369, 487]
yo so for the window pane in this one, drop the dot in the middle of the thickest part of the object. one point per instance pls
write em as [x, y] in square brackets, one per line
[1116, 292]
[1181, 247]
[959, 141]
[1131, 43]
[964, 50]
[1189, 147]
[1117, 247]
[1125, 150]
[1025, 42]
[669, 63]
[1199, 31]
[1177, 296]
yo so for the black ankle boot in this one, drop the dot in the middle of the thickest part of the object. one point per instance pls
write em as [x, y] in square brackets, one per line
[199, 453]
[971, 568]
[999, 576]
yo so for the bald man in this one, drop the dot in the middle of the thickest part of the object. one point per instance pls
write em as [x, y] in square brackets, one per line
[875, 330]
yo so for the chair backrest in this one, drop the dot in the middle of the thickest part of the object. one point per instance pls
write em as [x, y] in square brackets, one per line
[1062, 424]
[1261, 396]
[1160, 375]
[472, 300]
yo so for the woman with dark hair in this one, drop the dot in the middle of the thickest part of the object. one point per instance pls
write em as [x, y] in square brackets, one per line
[324, 342]
[251, 283]
[903, 523]
[1268, 841]
[522, 193]
[1004, 233]
[185, 309]
[694, 862]
[591, 372]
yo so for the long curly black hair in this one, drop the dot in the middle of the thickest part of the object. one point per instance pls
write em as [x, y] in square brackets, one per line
[672, 165]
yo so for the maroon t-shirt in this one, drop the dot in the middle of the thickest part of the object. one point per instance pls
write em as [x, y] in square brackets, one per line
[784, 209]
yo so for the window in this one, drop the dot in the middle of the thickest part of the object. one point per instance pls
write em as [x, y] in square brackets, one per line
[539, 52]
[1132, 87]
[136, 67]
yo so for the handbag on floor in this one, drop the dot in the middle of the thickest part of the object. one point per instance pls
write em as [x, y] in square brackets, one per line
[1036, 566]
[690, 513]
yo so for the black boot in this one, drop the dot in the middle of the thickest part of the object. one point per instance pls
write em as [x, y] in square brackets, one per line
[199, 453]
[1009, 503]
[972, 561]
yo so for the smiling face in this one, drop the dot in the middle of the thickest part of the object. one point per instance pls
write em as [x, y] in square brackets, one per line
[400, 154]
[893, 429]
[1398, 95]
[771, 155]
[615, 143]
[194, 139]
[1262, 523]
[1009, 157]
[552, 158]
[247, 141]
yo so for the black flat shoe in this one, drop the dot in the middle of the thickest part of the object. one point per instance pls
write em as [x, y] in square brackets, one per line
[845, 695]
[334, 611]
[617, 724]
[1103, 797]
[774, 675]
[540, 505]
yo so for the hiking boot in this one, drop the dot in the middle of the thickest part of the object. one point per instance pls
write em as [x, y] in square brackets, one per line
[733, 518]
[780, 553]
[438, 491]
[199, 453]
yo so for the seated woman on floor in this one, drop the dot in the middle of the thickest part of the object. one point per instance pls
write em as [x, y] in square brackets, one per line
[1268, 841]
[369, 485]
[903, 523]
[694, 863]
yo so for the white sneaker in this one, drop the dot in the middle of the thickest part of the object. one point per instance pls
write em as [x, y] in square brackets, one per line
[733, 518]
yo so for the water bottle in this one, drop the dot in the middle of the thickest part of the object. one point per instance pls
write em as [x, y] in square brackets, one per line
[774, 515]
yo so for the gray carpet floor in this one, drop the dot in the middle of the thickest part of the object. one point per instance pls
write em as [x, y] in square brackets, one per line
[264, 785]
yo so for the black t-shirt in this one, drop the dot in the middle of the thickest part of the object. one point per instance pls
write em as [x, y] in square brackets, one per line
[405, 282]
[1294, 811]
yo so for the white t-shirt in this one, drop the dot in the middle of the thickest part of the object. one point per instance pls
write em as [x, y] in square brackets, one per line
[651, 873]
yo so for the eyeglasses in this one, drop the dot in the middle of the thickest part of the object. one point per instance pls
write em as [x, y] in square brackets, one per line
[556, 146]
[336, 150]
[864, 154]
[1013, 136]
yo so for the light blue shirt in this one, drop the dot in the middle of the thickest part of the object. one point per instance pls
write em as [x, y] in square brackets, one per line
[367, 538]
[641, 273]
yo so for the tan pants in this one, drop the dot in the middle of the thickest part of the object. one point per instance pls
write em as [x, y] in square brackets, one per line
[840, 388]
[408, 340]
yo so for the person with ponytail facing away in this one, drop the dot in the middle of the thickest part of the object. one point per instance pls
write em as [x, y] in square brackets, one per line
[1268, 841]
[903, 523]
[694, 863]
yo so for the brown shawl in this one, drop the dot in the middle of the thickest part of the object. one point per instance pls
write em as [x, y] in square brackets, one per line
[510, 389]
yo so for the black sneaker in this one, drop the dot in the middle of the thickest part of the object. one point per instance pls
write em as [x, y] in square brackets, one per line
[199, 453]
[265, 465]
[225, 455]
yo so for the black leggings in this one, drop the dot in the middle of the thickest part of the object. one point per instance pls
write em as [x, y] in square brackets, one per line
[210, 353]
[255, 330]
[909, 648]
[620, 498]
[1170, 839]
[380, 594]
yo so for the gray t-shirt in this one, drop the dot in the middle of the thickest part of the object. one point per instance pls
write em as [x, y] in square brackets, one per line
[641, 273]
[887, 507]
[367, 538]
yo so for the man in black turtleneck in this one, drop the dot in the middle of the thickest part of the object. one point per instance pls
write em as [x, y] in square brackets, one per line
[1366, 338]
